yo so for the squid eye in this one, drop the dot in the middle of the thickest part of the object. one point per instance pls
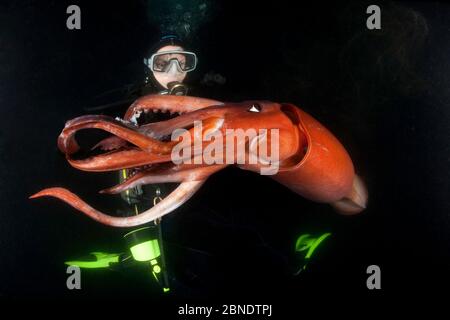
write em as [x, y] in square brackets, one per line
[255, 108]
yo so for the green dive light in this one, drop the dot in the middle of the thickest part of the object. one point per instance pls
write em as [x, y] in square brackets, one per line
[144, 244]
[146, 251]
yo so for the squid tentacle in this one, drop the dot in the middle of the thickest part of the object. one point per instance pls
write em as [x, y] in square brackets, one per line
[174, 200]
[175, 174]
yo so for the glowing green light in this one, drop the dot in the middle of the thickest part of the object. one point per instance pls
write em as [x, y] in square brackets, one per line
[302, 242]
[103, 260]
[166, 290]
[146, 251]
[316, 244]
[305, 241]
[156, 269]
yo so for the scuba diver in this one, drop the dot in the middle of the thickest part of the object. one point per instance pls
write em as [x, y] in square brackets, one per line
[167, 65]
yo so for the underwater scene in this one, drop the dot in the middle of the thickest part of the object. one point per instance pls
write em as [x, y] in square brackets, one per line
[222, 159]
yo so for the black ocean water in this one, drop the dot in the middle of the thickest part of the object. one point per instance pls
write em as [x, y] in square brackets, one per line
[383, 93]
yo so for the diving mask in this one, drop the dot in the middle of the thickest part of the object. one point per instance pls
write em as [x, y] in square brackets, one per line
[164, 61]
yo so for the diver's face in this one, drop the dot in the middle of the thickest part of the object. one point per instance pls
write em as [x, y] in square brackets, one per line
[170, 72]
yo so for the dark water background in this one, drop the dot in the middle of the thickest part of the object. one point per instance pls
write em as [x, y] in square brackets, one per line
[385, 94]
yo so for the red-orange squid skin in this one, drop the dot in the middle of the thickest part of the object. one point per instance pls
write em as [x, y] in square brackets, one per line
[313, 163]
[326, 172]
